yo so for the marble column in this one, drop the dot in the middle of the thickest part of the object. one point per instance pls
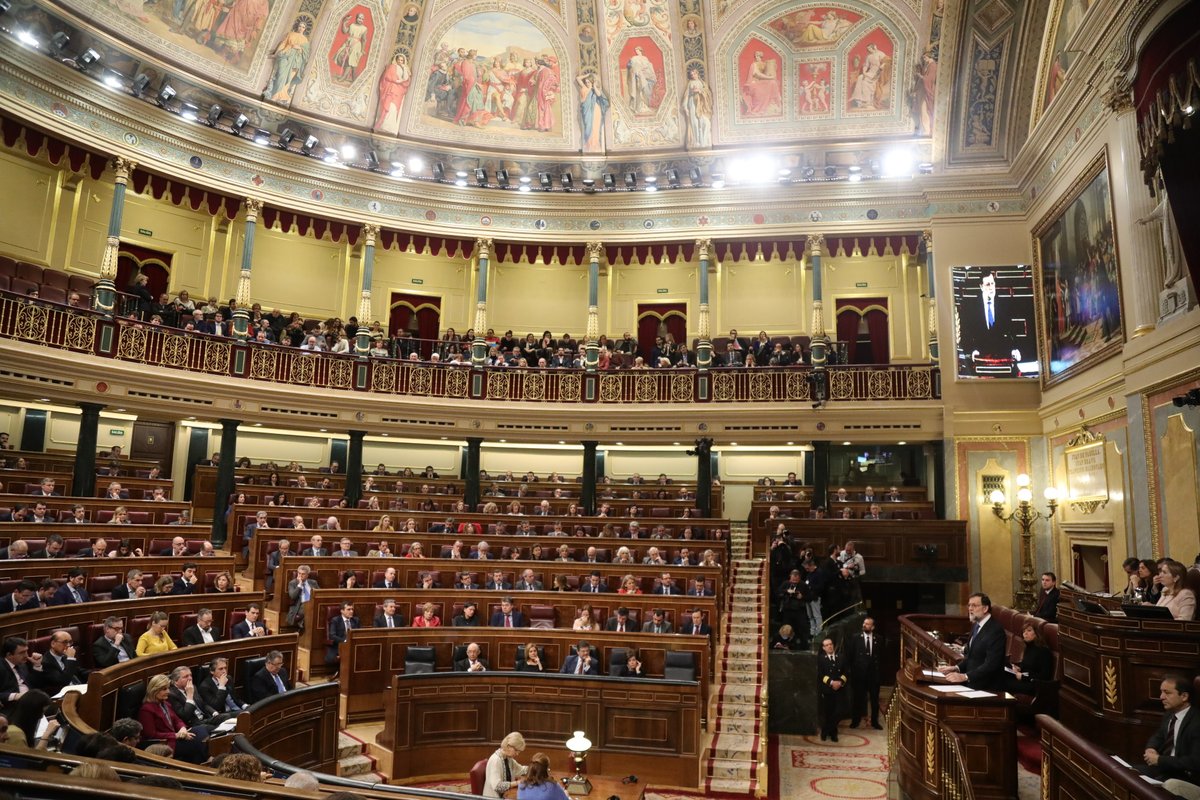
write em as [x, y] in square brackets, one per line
[83, 480]
[820, 341]
[931, 276]
[104, 294]
[225, 483]
[241, 314]
[703, 332]
[362, 337]
[1142, 271]
[820, 474]
[472, 490]
[354, 468]
[591, 355]
[587, 497]
[479, 347]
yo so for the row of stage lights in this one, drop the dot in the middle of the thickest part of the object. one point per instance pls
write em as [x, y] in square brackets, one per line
[757, 170]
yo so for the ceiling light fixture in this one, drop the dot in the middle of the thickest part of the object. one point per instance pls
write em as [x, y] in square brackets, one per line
[239, 122]
[718, 181]
[87, 59]
[349, 152]
[28, 39]
[189, 112]
[631, 180]
[166, 94]
[285, 138]
[502, 178]
[831, 172]
[372, 160]
[545, 180]
[673, 178]
[138, 87]
[262, 138]
[112, 80]
[214, 115]
[610, 181]
[566, 179]
[481, 176]
[59, 41]
[310, 144]
[439, 171]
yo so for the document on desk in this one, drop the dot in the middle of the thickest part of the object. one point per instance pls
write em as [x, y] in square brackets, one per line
[1151, 781]
[977, 694]
[932, 673]
[1122, 762]
[954, 688]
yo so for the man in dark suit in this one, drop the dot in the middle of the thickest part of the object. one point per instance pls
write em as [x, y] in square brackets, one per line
[862, 657]
[19, 672]
[699, 588]
[315, 547]
[97, 549]
[346, 549]
[216, 691]
[185, 700]
[466, 580]
[985, 333]
[19, 549]
[620, 622]
[59, 667]
[473, 662]
[582, 663]
[666, 585]
[270, 680]
[658, 623]
[507, 616]
[1047, 607]
[300, 589]
[1174, 749]
[984, 657]
[19, 599]
[283, 550]
[53, 548]
[529, 582]
[389, 617]
[498, 582]
[113, 646]
[595, 584]
[72, 591]
[832, 675]
[46, 488]
[132, 588]
[41, 514]
[203, 631]
[252, 625]
[388, 581]
[337, 631]
[695, 625]
[188, 582]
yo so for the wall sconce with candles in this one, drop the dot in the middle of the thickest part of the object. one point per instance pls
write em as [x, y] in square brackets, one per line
[579, 745]
[1025, 515]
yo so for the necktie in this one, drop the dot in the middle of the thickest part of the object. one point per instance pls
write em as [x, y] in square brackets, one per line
[974, 633]
[620, 627]
[21, 685]
[507, 771]
[230, 705]
[868, 638]
[508, 620]
[991, 315]
[75, 594]
[305, 592]
[1169, 743]
[390, 622]
[279, 683]
[578, 666]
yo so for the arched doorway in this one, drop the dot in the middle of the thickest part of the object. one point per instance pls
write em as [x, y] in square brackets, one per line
[659, 319]
[419, 315]
[862, 323]
[155, 264]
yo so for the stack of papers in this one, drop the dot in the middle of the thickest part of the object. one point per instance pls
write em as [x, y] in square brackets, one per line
[74, 687]
[932, 673]
[956, 688]
[978, 693]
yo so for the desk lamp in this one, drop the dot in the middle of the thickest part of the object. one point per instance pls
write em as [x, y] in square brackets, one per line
[579, 745]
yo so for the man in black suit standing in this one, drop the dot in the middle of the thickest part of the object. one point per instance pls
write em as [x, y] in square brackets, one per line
[985, 333]
[983, 659]
[337, 632]
[862, 655]
[203, 631]
[270, 680]
[1174, 749]
[1047, 607]
[832, 675]
[59, 667]
[113, 646]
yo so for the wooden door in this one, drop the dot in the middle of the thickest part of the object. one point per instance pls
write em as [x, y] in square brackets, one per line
[154, 440]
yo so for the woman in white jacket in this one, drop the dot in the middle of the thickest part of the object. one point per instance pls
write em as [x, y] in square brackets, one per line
[502, 767]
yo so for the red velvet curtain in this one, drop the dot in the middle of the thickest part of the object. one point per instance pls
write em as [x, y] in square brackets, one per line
[154, 263]
[872, 345]
[654, 318]
[418, 314]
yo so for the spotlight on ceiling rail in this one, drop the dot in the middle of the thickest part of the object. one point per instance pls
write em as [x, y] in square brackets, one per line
[567, 180]
[502, 178]
[831, 172]
[166, 93]
[545, 180]
[138, 87]
[310, 144]
[808, 172]
[718, 180]
[481, 176]
[439, 171]
[28, 39]
[285, 138]
[651, 183]
[695, 176]
[589, 185]
[239, 122]
[610, 181]
[372, 160]
[59, 41]
[87, 59]
[631, 180]
[673, 178]
[189, 111]
[214, 115]
[262, 138]
[113, 80]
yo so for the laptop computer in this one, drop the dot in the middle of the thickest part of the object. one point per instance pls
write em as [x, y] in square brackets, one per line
[1147, 612]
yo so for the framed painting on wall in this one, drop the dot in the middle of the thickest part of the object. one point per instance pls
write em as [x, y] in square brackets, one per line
[1078, 278]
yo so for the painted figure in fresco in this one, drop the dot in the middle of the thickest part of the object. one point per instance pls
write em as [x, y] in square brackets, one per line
[524, 104]
[870, 85]
[698, 109]
[761, 94]
[353, 48]
[924, 92]
[241, 28]
[1058, 73]
[465, 74]
[498, 85]
[411, 14]
[439, 90]
[134, 8]
[547, 91]
[593, 109]
[393, 85]
[290, 57]
[640, 81]
[199, 19]
[814, 90]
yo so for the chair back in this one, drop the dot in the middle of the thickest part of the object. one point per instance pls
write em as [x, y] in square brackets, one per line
[478, 774]
[679, 666]
[419, 660]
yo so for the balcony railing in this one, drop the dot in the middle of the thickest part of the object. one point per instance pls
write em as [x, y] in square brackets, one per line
[82, 331]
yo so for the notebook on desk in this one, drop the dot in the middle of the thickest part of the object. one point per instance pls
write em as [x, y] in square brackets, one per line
[1147, 612]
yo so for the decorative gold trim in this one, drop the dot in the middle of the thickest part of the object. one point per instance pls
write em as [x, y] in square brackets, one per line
[1081, 442]
[253, 208]
[1112, 686]
[370, 234]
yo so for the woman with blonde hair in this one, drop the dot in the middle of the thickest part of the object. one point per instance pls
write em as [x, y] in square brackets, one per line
[155, 639]
[491, 508]
[373, 503]
[159, 721]
[428, 620]
[1180, 600]
[629, 585]
[502, 767]
[384, 524]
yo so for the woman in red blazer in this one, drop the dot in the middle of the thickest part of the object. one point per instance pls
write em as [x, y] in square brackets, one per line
[159, 721]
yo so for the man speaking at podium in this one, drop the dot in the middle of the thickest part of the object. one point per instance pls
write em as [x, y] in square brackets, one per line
[982, 666]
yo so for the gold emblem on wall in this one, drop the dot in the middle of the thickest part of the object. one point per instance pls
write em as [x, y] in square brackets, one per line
[930, 753]
[1112, 693]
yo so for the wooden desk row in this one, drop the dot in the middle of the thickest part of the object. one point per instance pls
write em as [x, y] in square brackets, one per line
[781, 492]
[371, 658]
[760, 512]
[1073, 768]
[159, 513]
[436, 723]
[550, 608]
[29, 481]
[78, 537]
[61, 461]
[112, 570]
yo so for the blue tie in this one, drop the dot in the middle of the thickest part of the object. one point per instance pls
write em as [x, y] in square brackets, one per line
[279, 683]
[991, 315]
[974, 632]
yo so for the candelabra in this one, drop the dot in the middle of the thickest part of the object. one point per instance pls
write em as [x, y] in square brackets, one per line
[1025, 515]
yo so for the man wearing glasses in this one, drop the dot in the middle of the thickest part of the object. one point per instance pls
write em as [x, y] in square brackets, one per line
[982, 666]
[114, 647]
[59, 667]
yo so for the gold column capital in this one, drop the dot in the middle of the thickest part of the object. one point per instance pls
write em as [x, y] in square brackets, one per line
[815, 243]
[704, 246]
[927, 240]
[370, 234]
[123, 167]
[595, 250]
[253, 208]
[482, 247]
[1118, 97]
